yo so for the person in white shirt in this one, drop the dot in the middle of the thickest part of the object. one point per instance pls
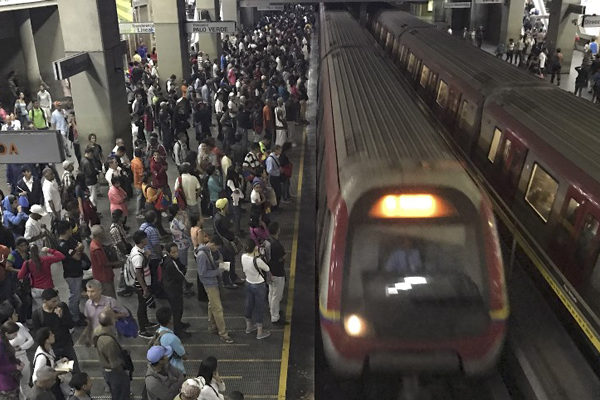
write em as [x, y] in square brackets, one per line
[214, 384]
[20, 339]
[256, 271]
[45, 100]
[112, 170]
[34, 228]
[121, 143]
[12, 123]
[542, 58]
[234, 184]
[191, 189]
[180, 149]
[51, 192]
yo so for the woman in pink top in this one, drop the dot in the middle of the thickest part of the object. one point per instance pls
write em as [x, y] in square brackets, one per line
[118, 198]
[37, 268]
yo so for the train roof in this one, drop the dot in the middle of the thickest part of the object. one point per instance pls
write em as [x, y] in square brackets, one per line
[374, 111]
[470, 63]
[567, 123]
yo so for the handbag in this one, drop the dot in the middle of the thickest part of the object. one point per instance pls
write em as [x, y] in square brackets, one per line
[127, 326]
[162, 202]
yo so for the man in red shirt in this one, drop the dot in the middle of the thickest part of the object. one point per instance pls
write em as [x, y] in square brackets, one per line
[102, 267]
[268, 122]
[159, 173]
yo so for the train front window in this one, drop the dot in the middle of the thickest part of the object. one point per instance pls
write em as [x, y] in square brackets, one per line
[541, 192]
[421, 277]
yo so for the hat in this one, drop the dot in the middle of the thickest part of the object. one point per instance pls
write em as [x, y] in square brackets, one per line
[96, 230]
[45, 373]
[256, 181]
[155, 353]
[191, 387]
[37, 209]
[67, 163]
[231, 94]
[49, 294]
[221, 203]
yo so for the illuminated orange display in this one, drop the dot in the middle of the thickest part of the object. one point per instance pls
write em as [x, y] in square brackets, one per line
[411, 206]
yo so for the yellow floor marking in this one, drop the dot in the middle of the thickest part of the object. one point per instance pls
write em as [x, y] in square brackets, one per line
[285, 350]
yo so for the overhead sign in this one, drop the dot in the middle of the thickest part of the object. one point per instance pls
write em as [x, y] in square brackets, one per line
[71, 65]
[270, 7]
[489, 1]
[210, 27]
[136, 27]
[590, 21]
[459, 4]
[22, 147]
[17, 2]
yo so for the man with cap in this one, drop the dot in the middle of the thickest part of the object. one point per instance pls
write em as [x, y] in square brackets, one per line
[111, 357]
[42, 388]
[55, 315]
[223, 227]
[162, 379]
[35, 231]
[190, 390]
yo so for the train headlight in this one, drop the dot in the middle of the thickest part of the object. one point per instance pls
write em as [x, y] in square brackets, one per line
[355, 326]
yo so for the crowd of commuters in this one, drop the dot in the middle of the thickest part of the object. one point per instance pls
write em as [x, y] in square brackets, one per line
[255, 89]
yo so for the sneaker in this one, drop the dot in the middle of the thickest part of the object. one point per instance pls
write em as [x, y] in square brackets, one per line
[253, 328]
[226, 339]
[145, 334]
[265, 334]
[125, 293]
[152, 325]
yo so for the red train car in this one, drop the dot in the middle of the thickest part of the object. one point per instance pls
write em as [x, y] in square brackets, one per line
[411, 275]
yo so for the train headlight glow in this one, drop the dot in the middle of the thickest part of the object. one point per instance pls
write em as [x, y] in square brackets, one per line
[355, 325]
[411, 206]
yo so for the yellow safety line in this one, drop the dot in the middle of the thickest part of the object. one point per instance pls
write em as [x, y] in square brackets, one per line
[285, 348]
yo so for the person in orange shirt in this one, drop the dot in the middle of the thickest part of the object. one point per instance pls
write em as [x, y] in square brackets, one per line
[268, 122]
[137, 169]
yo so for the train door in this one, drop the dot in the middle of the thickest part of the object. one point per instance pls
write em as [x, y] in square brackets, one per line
[513, 157]
[587, 244]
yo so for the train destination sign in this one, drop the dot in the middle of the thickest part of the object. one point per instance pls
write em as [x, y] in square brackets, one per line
[459, 4]
[227, 27]
[591, 21]
[136, 27]
[20, 147]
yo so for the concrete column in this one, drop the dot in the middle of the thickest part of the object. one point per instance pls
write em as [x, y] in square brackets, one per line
[248, 16]
[512, 20]
[561, 30]
[45, 22]
[229, 11]
[99, 95]
[171, 39]
[440, 14]
[207, 43]
[32, 69]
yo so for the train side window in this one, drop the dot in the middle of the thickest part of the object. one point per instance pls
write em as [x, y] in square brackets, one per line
[541, 192]
[506, 151]
[424, 75]
[432, 81]
[453, 101]
[442, 94]
[494, 145]
[411, 62]
[402, 54]
[571, 211]
[467, 115]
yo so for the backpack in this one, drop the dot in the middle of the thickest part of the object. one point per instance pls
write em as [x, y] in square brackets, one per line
[180, 195]
[155, 341]
[129, 271]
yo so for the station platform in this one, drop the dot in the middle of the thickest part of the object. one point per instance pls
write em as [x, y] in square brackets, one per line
[278, 367]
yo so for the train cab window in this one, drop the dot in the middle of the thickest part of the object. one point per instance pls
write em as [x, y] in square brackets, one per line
[412, 60]
[442, 94]
[453, 101]
[494, 145]
[541, 192]
[467, 115]
[424, 76]
[399, 268]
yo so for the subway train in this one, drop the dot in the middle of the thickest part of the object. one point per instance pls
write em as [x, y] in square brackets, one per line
[411, 276]
[537, 146]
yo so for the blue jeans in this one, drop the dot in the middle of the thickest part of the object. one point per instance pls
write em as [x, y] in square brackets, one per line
[256, 300]
[74, 296]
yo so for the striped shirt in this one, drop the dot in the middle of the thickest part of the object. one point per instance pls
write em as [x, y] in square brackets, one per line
[250, 161]
[153, 239]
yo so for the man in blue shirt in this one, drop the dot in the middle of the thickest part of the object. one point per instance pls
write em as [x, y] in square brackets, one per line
[149, 228]
[167, 338]
[274, 171]
[208, 273]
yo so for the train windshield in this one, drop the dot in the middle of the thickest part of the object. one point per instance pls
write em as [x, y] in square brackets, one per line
[418, 278]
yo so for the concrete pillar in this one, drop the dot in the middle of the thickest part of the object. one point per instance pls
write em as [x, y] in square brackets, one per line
[143, 15]
[440, 14]
[207, 43]
[561, 30]
[248, 16]
[99, 95]
[47, 34]
[171, 40]
[32, 69]
[229, 11]
[512, 20]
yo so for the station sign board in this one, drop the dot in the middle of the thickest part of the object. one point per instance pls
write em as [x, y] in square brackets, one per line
[489, 1]
[270, 7]
[458, 4]
[22, 147]
[590, 21]
[4, 3]
[71, 65]
[136, 27]
[227, 27]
